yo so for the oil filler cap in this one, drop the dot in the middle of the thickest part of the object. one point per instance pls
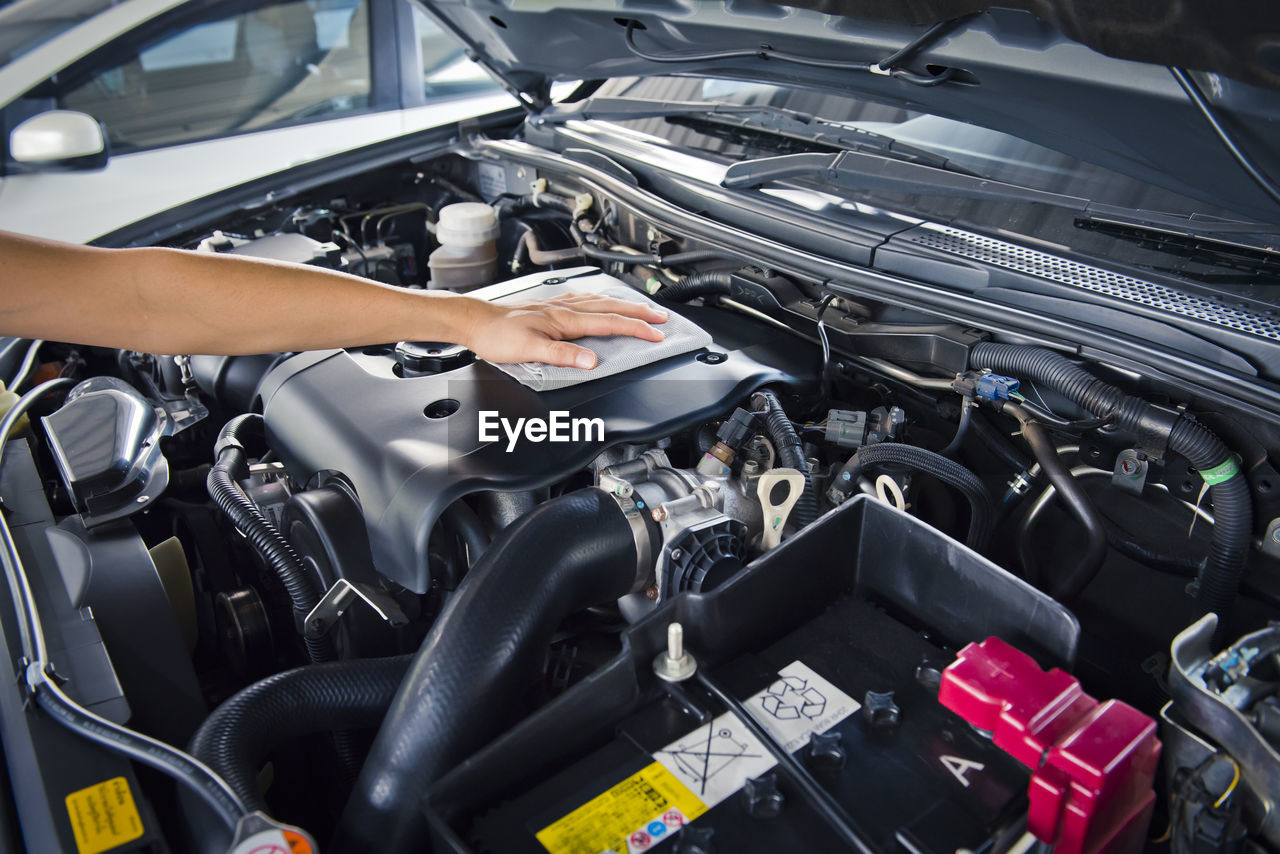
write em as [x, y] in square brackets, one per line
[424, 358]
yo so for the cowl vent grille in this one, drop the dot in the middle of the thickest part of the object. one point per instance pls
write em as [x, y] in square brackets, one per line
[954, 241]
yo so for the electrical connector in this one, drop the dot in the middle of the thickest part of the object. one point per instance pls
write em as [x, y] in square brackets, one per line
[846, 429]
[737, 429]
[995, 386]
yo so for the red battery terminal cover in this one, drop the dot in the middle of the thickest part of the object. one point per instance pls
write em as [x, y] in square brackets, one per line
[1093, 763]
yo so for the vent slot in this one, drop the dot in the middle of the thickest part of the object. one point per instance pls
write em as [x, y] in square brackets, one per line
[954, 241]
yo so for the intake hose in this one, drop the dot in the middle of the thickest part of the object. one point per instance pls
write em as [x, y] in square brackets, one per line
[338, 695]
[482, 653]
[1068, 586]
[231, 465]
[981, 507]
[696, 285]
[1228, 488]
[790, 452]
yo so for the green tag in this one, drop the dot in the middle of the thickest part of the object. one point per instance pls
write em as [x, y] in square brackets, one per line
[1219, 474]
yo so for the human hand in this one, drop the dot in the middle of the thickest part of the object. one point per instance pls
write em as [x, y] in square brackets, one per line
[539, 330]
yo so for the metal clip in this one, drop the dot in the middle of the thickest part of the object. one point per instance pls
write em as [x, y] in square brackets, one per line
[1130, 473]
[336, 599]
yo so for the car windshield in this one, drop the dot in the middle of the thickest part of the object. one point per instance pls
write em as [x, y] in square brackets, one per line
[27, 24]
[995, 155]
[989, 153]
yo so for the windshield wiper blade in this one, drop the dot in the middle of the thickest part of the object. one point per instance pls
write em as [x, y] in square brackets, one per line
[792, 124]
[855, 170]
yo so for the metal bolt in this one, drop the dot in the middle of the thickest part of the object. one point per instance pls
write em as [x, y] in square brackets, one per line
[659, 513]
[1128, 466]
[675, 641]
[675, 664]
[676, 554]
[651, 593]
[1275, 535]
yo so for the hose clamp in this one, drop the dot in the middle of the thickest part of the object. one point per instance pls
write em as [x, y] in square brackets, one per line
[1155, 424]
[636, 518]
[226, 442]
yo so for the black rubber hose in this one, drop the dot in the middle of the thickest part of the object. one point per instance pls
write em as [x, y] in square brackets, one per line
[1232, 515]
[962, 429]
[340, 695]
[696, 285]
[790, 452]
[463, 521]
[230, 466]
[981, 507]
[1228, 487]
[997, 442]
[695, 256]
[509, 206]
[1065, 587]
[481, 655]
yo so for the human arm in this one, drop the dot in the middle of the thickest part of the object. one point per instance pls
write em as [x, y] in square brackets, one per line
[176, 301]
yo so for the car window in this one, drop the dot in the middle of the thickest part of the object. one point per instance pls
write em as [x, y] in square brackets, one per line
[27, 24]
[446, 70]
[275, 64]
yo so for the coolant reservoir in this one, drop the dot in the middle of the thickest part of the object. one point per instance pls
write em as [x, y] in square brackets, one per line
[468, 254]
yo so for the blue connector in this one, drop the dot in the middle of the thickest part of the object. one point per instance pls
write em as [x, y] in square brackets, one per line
[995, 387]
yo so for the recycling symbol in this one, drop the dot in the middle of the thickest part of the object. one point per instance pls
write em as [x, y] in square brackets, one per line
[792, 698]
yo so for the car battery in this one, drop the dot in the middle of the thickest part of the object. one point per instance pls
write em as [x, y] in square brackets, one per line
[811, 723]
[852, 695]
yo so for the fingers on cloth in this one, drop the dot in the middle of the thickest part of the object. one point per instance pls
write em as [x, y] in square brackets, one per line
[565, 355]
[596, 304]
[578, 324]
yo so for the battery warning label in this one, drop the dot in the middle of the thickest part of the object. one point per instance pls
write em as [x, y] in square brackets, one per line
[698, 771]
[104, 816]
[633, 816]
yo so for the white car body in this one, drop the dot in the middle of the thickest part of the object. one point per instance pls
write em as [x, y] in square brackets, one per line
[82, 205]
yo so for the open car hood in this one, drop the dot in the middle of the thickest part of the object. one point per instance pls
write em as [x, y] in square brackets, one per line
[1090, 79]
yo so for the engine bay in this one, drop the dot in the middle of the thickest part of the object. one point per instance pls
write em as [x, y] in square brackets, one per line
[850, 576]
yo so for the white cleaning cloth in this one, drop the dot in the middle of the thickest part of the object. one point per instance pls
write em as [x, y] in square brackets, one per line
[615, 353]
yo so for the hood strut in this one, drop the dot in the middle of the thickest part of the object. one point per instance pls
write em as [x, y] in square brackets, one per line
[534, 100]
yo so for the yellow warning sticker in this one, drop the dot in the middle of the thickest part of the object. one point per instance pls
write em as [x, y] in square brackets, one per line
[632, 816]
[104, 816]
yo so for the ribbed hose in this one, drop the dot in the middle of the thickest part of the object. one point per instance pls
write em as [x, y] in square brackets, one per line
[790, 453]
[1229, 490]
[341, 695]
[1232, 515]
[232, 465]
[482, 653]
[981, 507]
[696, 285]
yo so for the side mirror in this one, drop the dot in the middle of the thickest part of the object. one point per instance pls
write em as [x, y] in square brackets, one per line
[59, 139]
